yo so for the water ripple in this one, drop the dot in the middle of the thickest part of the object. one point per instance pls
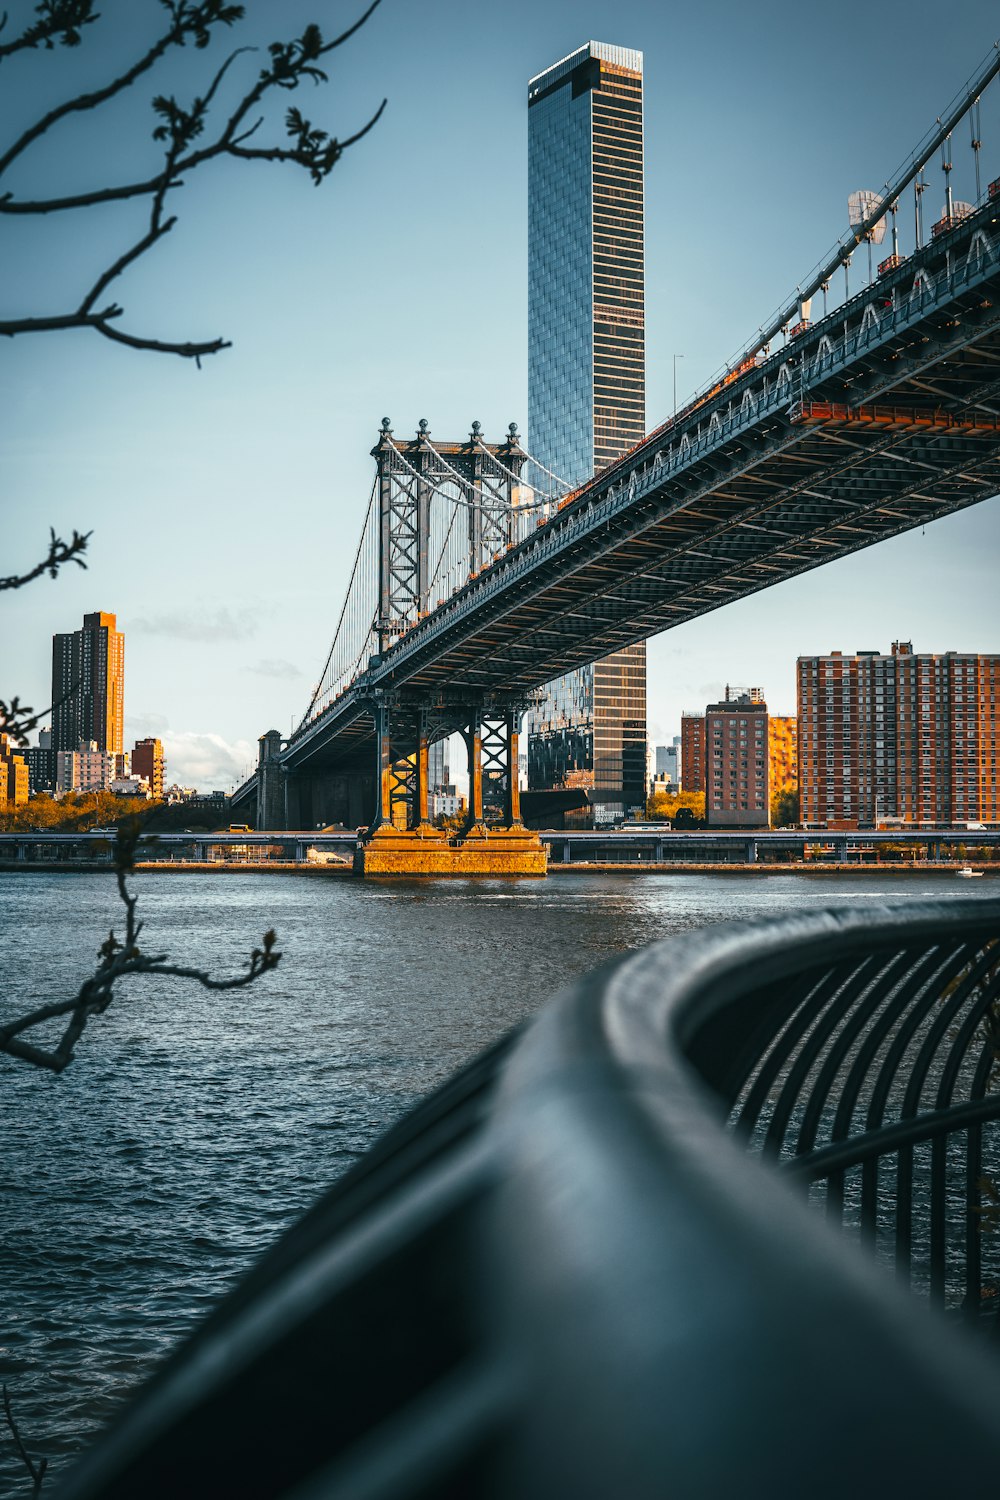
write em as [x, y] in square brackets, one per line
[195, 1126]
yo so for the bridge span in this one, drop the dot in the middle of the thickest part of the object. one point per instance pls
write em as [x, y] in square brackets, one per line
[878, 417]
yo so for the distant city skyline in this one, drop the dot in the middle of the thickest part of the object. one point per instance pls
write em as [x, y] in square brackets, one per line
[225, 503]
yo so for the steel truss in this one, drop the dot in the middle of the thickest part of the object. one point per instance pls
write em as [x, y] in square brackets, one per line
[416, 537]
[406, 727]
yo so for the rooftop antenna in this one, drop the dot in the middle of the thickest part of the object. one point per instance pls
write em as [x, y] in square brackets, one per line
[861, 206]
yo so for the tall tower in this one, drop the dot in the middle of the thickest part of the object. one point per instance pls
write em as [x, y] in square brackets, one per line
[88, 686]
[586, 376]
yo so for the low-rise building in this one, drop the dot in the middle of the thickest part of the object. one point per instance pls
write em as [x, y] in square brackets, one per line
[148, 760]
[86, 769]
[13, 774]
[130, 786]
[445, 804]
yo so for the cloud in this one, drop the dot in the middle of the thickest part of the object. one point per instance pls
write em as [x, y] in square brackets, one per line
[198, 625]
[146, 723]
[207, 761]
[275, 666]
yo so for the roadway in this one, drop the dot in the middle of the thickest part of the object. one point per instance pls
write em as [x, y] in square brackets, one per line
[569, 846]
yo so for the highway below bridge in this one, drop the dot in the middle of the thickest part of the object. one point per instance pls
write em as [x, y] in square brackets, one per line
[878, 418]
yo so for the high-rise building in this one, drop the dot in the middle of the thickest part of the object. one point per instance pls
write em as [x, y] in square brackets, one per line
[693, 752]
[899, 738]
[88, 686]
[148, 761]
[667, 762]
[41, 762]
[13, 773]
[438, 766]
[736, 774]
[586, 376]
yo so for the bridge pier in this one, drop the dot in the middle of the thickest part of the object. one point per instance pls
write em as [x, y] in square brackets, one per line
[402, 841]
[270, 783]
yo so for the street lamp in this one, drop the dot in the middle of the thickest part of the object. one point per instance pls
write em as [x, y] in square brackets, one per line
[676, 358]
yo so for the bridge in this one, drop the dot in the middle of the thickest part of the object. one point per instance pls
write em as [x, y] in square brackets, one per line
[479, 576]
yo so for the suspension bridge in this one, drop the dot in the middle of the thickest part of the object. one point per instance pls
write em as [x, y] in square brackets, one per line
[479, 575]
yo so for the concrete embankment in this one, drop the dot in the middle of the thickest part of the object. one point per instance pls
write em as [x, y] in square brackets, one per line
[799, 867]
[580, 867]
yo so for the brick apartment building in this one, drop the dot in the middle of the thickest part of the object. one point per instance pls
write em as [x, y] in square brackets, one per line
[148, 761]
[693, 752]
[736, 751]
[88, 686]
[900, 737]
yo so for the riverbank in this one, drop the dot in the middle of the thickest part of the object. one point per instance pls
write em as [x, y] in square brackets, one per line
[576, 867]
[801, 867]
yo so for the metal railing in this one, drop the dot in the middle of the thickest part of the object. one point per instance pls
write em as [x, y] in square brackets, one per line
[564, 1275]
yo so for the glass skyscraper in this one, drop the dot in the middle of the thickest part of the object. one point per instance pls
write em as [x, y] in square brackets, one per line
[586, 376]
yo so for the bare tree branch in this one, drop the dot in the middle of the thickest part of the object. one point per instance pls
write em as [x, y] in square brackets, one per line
[316, 150]
[17, 720]
[36, 1470]
[59, 553]
[290, 64]
[189, 19]
[64, 19]
[156, 232]
[118, 960]
[162, 346]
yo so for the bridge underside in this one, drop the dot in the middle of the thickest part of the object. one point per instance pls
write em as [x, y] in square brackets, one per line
[881, 418]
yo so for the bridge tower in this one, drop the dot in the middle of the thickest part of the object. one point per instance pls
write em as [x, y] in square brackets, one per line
[483, 479]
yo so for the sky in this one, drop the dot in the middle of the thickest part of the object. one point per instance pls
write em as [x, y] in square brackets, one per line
[225, 502]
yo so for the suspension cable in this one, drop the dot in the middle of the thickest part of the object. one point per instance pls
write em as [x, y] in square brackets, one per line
[343, 611]
[465, 483]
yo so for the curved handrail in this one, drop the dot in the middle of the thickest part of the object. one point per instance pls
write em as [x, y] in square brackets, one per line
[562, 1275]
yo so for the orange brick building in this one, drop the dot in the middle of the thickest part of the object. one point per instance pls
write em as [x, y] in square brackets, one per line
[13, 774]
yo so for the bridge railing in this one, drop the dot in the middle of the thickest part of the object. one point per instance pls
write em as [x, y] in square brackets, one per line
[566, 1274]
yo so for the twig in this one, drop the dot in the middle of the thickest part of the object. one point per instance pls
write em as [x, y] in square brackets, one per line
[59, 553]
[67, 17]
[117, 960]
[37, 1471]
[290, 64]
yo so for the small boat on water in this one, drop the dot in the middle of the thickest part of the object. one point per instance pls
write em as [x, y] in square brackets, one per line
[968, 873]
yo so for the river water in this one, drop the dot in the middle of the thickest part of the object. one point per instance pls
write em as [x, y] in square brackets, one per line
[194, 1126]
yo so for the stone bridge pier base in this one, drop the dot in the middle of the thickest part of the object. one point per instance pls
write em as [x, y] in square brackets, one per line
[402, 841]
[270, 783]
